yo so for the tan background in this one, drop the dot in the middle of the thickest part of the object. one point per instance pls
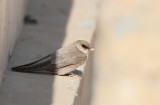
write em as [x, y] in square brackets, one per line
[127, 62]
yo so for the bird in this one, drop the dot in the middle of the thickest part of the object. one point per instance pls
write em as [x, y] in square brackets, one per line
[62, 61]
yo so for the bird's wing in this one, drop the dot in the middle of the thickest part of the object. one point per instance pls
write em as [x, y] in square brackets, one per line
[41, 64]
[62, 62]
[68, 56]
[51, 62]
[38, 61]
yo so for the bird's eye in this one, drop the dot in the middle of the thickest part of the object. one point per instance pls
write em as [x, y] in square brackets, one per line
[84, 46]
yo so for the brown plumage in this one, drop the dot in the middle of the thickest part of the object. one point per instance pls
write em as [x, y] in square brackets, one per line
[62, 61]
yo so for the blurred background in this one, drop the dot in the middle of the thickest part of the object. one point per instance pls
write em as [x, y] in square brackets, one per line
[127, 57]
[124, 69]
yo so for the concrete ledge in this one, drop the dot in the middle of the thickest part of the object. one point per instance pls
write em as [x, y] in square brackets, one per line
[60, 22]
[84, 91]
[10, 25]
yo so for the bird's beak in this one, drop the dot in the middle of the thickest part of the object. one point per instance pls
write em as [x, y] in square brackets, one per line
[92, 49]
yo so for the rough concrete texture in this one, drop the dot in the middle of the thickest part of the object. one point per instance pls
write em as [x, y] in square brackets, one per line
[127, 61]
[84, 92]
[59, 22]
[11, 15]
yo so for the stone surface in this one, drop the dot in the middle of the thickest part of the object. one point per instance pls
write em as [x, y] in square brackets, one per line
[60, 22]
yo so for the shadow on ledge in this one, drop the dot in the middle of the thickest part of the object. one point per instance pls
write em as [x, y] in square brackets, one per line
[35, 42]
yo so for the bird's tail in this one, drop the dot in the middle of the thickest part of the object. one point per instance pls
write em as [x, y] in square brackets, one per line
[38, 65]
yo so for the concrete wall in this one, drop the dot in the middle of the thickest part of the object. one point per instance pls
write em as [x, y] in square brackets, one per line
[11, 15]
[60, 22]
[84, 91]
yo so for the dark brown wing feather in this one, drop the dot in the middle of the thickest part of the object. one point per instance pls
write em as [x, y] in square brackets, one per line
[52, 62]
[39, 65]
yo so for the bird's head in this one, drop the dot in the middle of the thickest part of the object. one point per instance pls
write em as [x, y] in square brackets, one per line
[84, 46]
